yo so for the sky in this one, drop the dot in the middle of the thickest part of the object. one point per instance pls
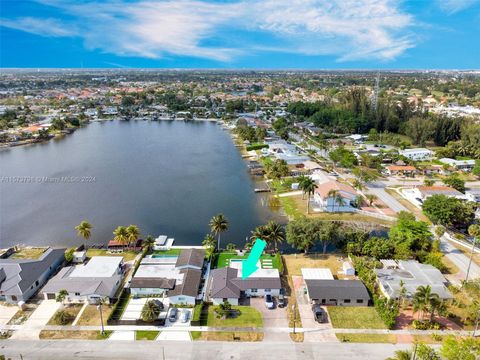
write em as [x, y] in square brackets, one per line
[240, 34]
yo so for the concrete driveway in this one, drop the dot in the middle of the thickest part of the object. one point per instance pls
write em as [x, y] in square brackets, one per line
[122, 335]
[378, 188]
[174, 336]
[272, 318]
[6, 313]
[40, 317]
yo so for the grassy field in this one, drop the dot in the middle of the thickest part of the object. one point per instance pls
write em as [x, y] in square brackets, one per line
[72, 334]
[428, 339]
[224, 257]
[355, 317]
[367, 338]
[226, 336]
[28, 253]
[127, 255]
[249, 317]
[295, 262]
[72, 310]
[91, 316]
[170, 252]
[146, 335]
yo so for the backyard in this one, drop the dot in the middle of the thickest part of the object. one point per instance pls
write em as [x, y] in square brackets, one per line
[295, 262]
[355, 317]
[223, 260]
[28, 253]
[247, 317]
[127, 255]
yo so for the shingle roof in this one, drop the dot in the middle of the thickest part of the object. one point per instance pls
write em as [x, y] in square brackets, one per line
[192, 257]
[190, 284]
[151, 283]
[336, 289]
[434, 190]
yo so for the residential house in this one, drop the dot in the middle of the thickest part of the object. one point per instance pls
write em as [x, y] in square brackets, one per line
[20, 279]
[342, 202]
[337, 292]
[412, 274]
[98, 278]
[465, 165]
[404, 170]
[282, 150]
[417, 154]
[424, 192]
[226, 284]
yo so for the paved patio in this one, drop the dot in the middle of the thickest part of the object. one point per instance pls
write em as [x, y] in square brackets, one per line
[6, 313]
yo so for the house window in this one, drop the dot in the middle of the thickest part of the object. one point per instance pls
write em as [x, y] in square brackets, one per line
[359, 301]
[77, 294]
[36, 283]
[268, 290]
[14, 297]
[253, 290]
[225, 299]
[323, 301]
[346, 301]
[332, 300]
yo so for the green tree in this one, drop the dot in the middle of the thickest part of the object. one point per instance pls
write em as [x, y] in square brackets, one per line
[150, 311]
[120, 235]
[84, 230]
[474, 232]
[61, 296]
[457, 348]
[210, 245]
[447, 211]
[276, 234]
[148, 243]
[308, 187]
[371, 198]
[455, 182]
[218, 224]
[133, 233]
[476, 168]
[69, 255]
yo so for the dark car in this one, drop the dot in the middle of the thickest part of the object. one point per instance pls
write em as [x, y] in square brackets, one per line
[172, 314]
[281, 298]
[319, 314]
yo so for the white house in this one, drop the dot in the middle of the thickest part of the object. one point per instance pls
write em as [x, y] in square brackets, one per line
[473, 195]
[79, 257]
[465, 165]
[417, 154]
[343, 200]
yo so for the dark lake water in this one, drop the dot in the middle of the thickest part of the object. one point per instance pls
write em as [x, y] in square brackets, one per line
[166, 177]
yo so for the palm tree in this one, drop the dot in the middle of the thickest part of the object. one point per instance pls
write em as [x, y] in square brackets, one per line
[209, 244]
[301, 184]
[371, 198]
[62, 294]
[309, 187]
[423, 298]
[148, 242]
[133, 233]
[340, 201]
[333, 194]
[402, 355]
[84, 230]
[121, 235]
[150, 311]
[358, 184]
[260, 232]
[276, 234]
[474, 231]
[218, 224]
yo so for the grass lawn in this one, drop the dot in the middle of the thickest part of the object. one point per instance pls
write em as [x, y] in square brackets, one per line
[167, 252]
[428, 339]
[21, 316]
[226, 336]
[290, 207]
[28, 253]
[295, 262]
[367, 338]
[72, 334]
[297, 337]
[91, 316]
[72, 310]
[146, 335]
[224, 258]
[127, 255]
[249, 317]
[355, 317]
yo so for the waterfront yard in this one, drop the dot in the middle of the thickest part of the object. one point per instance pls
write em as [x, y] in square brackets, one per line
[127, 255]
[170, 252]
[355, 317]
[223, 260]
[247, 317]
[28, 253]
[295, 262]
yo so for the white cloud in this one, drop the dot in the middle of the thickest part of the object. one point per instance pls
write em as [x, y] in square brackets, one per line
[454, 6]
[347, 29]
[44, 27]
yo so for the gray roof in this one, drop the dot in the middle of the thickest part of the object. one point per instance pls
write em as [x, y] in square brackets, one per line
[413, 274]
[192, 257]
[225, 283]
[151, 283]
[337, 289]
[189, 285]
[20, 274]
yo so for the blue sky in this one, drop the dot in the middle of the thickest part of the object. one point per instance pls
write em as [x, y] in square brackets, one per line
[269, 34]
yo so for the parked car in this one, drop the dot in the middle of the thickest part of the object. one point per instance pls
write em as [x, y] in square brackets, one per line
[172, 314]
[269, 301]
[281, 298]
[319, 314]
[184, 315]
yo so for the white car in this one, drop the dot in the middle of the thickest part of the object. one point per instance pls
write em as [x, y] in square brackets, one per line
[269, 301]
[184, 315]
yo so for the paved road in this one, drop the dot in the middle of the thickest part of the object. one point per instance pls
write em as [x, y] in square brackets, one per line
[146, 350]
[378, 188]
[459, 259]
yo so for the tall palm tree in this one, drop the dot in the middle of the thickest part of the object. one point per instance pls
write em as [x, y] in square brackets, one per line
[340, 201]
[371, 198]
[133, 233]
[474, 231]
[333, 194]
[301, 184]
[358, 184]
[148, 242]
[309, 187]
[209, 244]
[218, 224]
[121, 235]
[402, 355]
[276, 234]
[423, 298]
[84, 230]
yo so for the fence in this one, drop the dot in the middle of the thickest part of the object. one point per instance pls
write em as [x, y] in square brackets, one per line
[377, 215]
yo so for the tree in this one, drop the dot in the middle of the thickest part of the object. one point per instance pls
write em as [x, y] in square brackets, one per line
[276, 234]
[371, 198]
[409, 235]
[69, 255]
[63, 317]
[133, 233]
[218, 224]
[401, 355]
[151, 310]
[424, 299]
[121, 235]
[61, 296]
[476, 168]
[148, 243]
[303, 233]
[308, 187]
[224, 309]
[231, 247]
[210, 245]
[457, 348]
[428, 182]
[425, 352]
[276, 169]
[473, 231]
[447, 211]
[84, 230]
[420, 130]
[455, 182]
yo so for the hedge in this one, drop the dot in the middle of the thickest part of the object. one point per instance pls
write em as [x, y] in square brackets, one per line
[256, 146]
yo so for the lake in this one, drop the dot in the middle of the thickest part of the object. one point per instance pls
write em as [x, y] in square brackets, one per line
[166, 177]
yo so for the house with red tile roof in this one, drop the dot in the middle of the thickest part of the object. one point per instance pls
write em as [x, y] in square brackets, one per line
[334, 196]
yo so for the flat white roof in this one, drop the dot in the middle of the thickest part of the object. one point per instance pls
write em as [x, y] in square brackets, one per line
[159, 271]
[317, 274]
[98, 266]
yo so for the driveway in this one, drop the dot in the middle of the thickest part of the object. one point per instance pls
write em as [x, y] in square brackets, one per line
[378, 188]
[6, 313]
[122, 335]
[174, 336]
[40, 317]
[459, 259]
[272, 318]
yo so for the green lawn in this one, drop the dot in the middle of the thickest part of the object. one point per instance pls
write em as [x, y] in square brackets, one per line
[146, 335]
[168, 252]
[224, 258]
[355, 317]
[249, 317]
[28, 253]
[368, 338]
[127, 255]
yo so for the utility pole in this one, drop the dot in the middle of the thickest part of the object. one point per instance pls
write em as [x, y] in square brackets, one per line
[471, 257]
[294, 317]
[99, 307]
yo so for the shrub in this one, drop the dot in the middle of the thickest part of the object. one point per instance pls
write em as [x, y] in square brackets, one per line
[62, 317]
[151, 310]
[256, 147]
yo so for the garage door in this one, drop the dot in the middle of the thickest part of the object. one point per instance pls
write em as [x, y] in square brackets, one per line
[50, 296]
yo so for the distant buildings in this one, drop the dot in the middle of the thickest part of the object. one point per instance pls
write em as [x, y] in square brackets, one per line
[20, 279]
[466, 165]
[417, 154]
